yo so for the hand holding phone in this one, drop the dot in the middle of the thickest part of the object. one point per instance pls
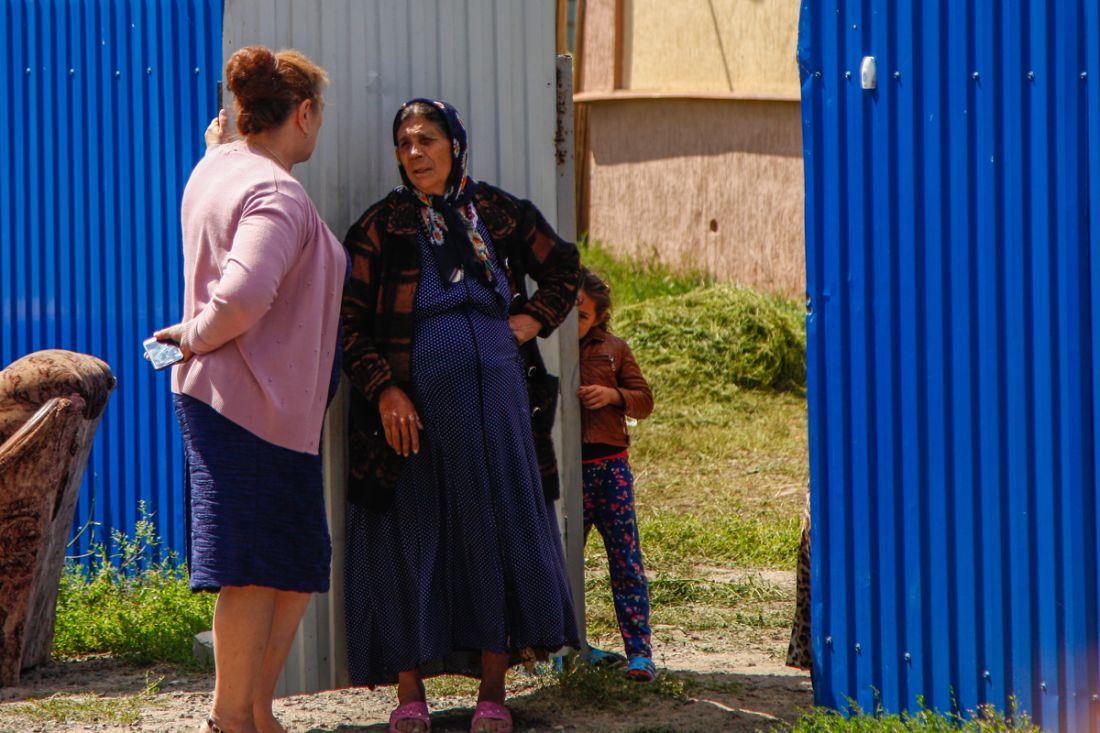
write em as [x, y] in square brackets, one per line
[162, 354]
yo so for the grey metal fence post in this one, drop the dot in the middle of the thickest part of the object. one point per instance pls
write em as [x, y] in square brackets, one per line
[569, 437]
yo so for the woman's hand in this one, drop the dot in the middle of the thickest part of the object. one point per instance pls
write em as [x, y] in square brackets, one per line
[400, 421]
[524, 327]
[595, 396]
[218, 132]
[174, 334]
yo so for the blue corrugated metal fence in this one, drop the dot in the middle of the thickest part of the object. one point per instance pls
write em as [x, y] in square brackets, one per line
[953, 330]
[101, 120]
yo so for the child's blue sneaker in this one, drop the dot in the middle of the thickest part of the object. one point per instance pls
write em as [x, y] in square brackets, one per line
[601, 658]
[641, 669]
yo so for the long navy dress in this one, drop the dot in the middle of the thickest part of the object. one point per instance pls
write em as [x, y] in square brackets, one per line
[468, 557]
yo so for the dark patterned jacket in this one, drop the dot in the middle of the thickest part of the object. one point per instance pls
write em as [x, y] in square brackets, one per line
[379, 321]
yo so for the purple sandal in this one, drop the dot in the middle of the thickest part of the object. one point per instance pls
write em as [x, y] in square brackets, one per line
[491, 711]
[415, 710]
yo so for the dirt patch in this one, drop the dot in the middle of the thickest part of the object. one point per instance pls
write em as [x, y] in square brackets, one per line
[728, 685]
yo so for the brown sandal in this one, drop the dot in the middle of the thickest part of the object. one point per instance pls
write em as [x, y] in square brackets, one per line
[214, 727]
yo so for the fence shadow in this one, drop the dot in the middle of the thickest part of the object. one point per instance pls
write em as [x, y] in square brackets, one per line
[738, 703]
[104, 676]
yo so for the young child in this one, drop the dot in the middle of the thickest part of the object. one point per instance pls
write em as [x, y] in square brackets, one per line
[612, 389]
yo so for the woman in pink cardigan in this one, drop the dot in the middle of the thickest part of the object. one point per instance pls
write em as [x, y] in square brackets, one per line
[263, 281]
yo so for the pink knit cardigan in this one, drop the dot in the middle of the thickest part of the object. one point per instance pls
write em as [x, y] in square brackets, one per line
[263, 277]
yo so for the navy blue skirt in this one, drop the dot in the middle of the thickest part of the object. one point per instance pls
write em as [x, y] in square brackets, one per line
[256, 510]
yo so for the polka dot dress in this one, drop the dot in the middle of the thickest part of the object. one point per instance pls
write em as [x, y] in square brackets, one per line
[468, 557]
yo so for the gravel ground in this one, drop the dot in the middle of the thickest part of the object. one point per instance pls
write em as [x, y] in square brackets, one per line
[731, 686]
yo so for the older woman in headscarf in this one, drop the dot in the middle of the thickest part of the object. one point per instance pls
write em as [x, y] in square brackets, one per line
[454, 562]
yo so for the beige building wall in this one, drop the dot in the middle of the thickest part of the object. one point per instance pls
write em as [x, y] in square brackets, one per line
[597, 68]
[689, 136]
[744, 47]
[702, 184]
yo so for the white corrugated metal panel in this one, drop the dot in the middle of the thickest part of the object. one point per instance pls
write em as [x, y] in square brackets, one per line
[495, 61]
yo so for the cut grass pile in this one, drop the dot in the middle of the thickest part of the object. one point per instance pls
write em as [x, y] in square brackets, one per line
[705, 342]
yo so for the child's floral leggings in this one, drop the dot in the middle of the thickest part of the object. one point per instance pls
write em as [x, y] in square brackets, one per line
[609, 505]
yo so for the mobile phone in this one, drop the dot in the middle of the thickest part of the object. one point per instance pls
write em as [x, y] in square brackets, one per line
[161, 354]
[218, 96]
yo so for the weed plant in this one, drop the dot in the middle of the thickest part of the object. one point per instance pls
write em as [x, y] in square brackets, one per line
[985, 719]
[131, 600]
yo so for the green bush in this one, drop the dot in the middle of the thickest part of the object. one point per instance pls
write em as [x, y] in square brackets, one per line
[131, 601]
[702, 341]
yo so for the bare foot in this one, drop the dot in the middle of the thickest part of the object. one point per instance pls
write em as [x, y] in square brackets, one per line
[268, 723]
[488, 725]
[410, 688]
[222, 724]
[411, 726]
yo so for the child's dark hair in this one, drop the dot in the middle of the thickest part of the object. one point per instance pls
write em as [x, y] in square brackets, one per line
[600, 293]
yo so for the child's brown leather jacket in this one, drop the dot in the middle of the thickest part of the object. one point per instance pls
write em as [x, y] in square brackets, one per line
[606, 360]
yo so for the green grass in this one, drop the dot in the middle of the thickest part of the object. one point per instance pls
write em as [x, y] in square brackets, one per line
[693, 604]
[721, 466]
[125, 710]
[609, 689]
[127, 603]
[984, 720]
[450, 686]
[722, 537]
[746, 455]
[634, 280]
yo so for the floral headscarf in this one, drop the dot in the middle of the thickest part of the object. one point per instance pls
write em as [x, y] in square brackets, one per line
[450, 219]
